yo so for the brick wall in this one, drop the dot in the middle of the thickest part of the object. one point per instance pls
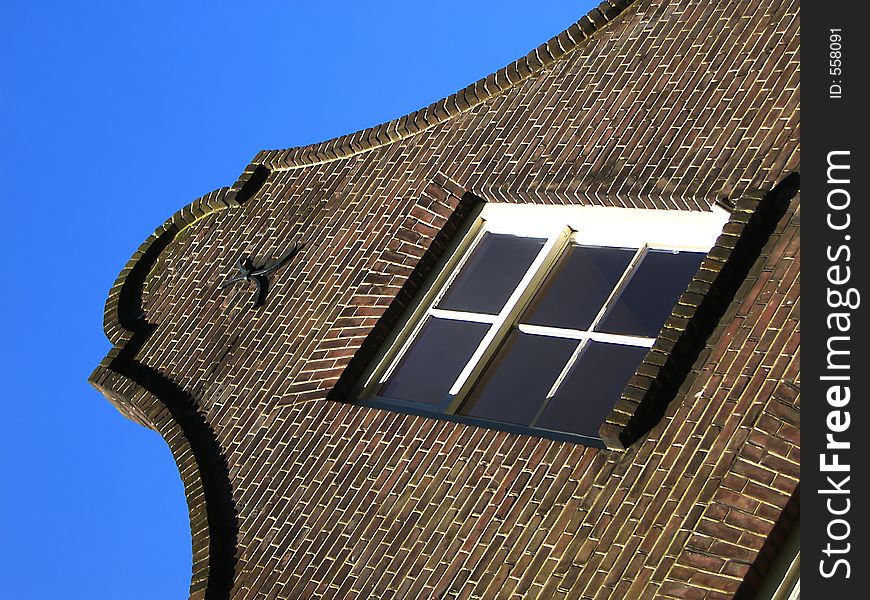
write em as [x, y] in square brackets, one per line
[665, 105]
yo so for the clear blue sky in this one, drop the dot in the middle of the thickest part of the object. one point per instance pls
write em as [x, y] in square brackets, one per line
[113, 115]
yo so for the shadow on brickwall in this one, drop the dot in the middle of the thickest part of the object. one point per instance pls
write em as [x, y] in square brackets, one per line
[221, 512]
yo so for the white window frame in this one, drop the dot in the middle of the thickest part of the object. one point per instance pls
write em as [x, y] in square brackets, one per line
[561, 226]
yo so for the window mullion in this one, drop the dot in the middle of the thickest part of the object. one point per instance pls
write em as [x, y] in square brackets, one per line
[620, 285]
[575, 356]
[505, 319]
[453, 272]
[413, 324]
[621, 339]
[585, 340]
[586, 337]
[556, 332]
[580, 334]
[458, 315]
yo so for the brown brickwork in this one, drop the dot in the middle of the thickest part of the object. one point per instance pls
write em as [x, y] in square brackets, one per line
[295, 492]
[698, 310]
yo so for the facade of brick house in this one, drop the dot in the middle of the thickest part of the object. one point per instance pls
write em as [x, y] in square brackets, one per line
[298, 489]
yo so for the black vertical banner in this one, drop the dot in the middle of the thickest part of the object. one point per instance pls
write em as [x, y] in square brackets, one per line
[835, 420]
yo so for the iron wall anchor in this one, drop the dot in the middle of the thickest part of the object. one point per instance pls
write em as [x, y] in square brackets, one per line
[258, 275]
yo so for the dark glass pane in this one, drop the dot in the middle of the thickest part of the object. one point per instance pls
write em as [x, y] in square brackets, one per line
[650, 296]
[574, 294]
[491, 273]
[515, 385]
[591, 388]
[434, 361]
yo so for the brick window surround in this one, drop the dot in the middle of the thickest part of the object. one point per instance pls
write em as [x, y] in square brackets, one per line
[505, 336]
[663, 370]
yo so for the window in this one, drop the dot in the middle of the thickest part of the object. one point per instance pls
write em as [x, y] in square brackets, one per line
[541, 316]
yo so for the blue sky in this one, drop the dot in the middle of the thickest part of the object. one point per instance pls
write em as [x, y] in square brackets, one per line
[112, 117]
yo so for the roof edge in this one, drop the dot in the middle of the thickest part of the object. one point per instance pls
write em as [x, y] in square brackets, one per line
[462, 101]
[150, 399]
[122, 315]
